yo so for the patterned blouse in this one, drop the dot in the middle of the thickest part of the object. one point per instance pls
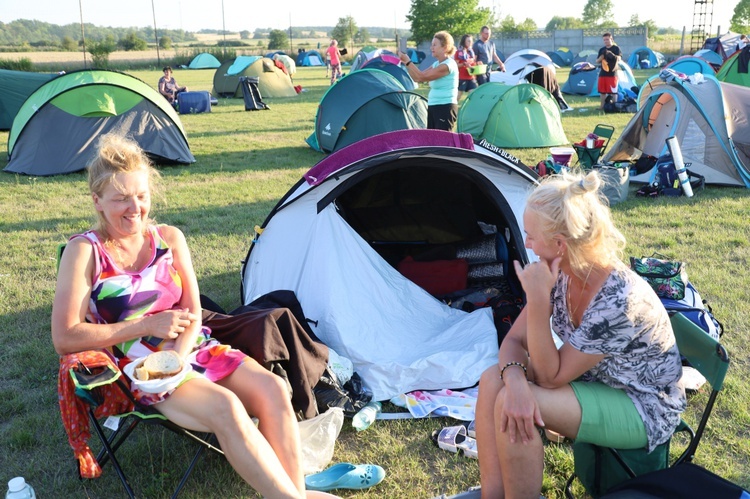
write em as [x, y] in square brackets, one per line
[626, 322]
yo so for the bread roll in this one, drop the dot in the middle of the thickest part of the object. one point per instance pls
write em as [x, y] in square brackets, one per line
[159, 365]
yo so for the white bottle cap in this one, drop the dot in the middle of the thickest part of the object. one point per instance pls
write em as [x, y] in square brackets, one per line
[16, 484]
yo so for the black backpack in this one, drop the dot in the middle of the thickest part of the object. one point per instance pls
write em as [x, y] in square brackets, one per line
[667, 182]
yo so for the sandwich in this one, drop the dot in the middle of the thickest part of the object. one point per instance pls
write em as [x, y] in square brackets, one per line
[159, 365]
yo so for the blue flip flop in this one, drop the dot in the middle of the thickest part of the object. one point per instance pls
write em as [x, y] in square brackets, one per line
[345, 476]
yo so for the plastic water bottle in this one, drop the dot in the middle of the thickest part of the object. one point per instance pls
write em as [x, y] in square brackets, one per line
[19, 489]
[364, 418]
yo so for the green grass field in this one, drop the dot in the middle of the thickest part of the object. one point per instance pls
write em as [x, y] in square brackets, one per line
[245, 162]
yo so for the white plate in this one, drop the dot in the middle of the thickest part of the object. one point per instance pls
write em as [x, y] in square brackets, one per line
[156, 385]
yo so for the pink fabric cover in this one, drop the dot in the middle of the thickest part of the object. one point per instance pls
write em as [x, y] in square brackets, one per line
[385, 142]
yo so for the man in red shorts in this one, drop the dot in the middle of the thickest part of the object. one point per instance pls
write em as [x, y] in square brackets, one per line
[609, 57]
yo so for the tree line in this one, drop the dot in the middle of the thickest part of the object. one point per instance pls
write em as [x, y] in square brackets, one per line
[31, 33]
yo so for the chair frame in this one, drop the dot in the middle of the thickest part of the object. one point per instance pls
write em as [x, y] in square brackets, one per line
[694, 344]
[111, 443]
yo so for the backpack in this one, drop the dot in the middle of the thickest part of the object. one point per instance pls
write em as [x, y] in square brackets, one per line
[697, 310]
[667, 182]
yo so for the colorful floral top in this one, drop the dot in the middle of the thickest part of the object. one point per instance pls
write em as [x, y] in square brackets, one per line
[120, 295]
[626, 322]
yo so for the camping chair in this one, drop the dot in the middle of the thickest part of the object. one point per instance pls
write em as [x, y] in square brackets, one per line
[589, 157]
[600, 468]
[92, 385]
[87, 381]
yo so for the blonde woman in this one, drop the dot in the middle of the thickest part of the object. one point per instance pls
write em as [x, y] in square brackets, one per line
[128, 286]
[614, 382]
[442, 100]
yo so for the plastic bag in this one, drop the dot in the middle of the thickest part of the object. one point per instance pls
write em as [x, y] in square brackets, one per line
[340, 365]
[318, 436]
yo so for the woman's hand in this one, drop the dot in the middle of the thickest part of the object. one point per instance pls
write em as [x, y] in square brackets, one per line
[538, 278]
[169, 324]
[520, 414]
[404, 58]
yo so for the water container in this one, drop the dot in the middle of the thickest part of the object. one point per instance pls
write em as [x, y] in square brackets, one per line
[364, 418]
[19, 489]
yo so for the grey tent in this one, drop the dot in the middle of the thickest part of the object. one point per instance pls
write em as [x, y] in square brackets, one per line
[709, 121]
[56, 129]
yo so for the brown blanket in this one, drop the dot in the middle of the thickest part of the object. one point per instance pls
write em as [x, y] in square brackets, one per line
[275, 336]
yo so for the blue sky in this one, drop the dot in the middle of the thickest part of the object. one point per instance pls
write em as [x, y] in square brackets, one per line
[193, 15]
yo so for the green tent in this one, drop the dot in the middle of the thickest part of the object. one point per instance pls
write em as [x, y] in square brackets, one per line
[523, 115]
[730, 71]
[204, 61]
[364, 103]
[272, 81]
[55, 130]
[15, 88]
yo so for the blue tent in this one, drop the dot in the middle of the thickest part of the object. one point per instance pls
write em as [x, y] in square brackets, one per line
[711, 57]
[391, 65]
[204, 61]
[561, 57]
[310, 58]
[364, 103]
[690, 65]
[584, 81]
[644, 58]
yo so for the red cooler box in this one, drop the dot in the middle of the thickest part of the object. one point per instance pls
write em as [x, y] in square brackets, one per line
[194, 102]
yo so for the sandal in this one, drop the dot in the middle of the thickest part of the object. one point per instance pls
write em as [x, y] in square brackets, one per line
[454, 439]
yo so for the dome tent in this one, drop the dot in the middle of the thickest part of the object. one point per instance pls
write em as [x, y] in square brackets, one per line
[337, 235]
[15, 88]
[310, 58]
[583, 78]
[645, 58]
[709, 121]
[391, 65]
[364, 103]
[514, 116]
[55, 130]
[204, 61]
[272, 81]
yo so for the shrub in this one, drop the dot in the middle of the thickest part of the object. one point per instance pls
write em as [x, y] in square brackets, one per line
[23, 64]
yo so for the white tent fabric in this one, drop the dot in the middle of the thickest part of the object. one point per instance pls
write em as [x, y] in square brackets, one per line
[408, 339]
[519, 64]
[399, 337]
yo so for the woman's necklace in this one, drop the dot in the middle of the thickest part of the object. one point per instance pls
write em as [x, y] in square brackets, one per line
[580, 295]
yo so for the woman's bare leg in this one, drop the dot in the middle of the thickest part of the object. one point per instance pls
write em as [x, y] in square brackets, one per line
[266, 397]
[490, 472]
[205, 406]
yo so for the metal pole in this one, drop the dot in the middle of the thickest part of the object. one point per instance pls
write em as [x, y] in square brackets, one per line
[224, 28]
[156, 38]
[83, 36]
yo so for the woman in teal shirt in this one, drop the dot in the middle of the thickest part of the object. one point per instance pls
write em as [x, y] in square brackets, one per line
[442, 100]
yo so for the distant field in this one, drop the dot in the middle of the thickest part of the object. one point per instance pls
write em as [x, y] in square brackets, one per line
[55, 61]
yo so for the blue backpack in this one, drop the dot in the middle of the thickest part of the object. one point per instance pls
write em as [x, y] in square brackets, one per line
[697, 310]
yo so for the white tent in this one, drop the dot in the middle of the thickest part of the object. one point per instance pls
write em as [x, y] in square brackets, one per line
[334, 237]
[521, 63]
